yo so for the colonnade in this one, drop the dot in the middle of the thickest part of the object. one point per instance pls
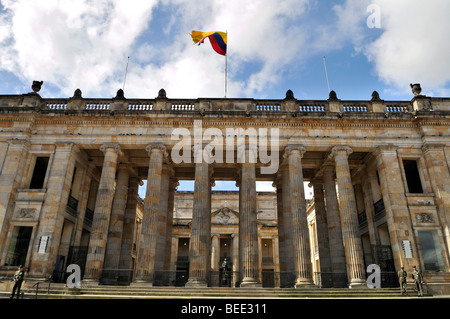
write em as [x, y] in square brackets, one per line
[342, 252]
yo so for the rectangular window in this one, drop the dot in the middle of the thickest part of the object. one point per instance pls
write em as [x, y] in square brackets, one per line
[431, 250]
[412, 176]
[39, 172]
[18, 247]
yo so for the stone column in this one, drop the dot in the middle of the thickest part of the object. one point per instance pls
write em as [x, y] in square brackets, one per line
[248, 228]
[281, 234]
[161, 238]
[126, 250]
[200, 242]
[235, 259]
[288, 244]
[440, 179]
[300, 232]
[276, 258]
[322, 232]
[215, 252]
[116, 222]
[337, 253]
[145, 266]
[100, 224]
[396, 206]
[82, 204]
[367, 181]
[350, 226]
[173, 183]
[215, 259]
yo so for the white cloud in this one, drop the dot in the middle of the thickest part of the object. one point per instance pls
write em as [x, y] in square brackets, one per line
[414, 46]
[72, 44]
[81, 44]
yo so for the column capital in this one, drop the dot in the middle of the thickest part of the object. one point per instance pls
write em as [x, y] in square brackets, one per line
[156, 147]
[114, 146]
[294, 149]
[328, 167]
[315, 181]
[173, 183]
[128, 167]
[342, 149]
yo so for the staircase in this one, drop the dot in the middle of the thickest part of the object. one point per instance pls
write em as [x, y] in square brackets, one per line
[60, 291]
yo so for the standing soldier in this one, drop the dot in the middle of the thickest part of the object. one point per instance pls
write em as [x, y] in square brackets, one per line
[402, 280]
[418, 278]
[18, 279]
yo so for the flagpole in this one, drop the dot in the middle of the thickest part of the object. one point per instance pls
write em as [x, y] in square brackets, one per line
[326, 73]
[226, 66]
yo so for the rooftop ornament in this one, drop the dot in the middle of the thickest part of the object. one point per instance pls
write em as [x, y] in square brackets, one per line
[36, 86]
[416, 89]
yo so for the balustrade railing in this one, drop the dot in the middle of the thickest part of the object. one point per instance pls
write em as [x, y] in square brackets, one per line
[268, 107]
[397, 108]
[182, 105]
[311, 108]
[355, 108]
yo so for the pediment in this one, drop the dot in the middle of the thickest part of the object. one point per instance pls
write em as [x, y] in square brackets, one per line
[225, 216]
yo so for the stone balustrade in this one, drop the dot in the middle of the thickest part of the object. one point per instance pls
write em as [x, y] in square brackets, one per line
[245, 105]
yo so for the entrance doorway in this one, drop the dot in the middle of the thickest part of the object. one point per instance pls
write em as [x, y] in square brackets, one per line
[18, 247]
[225, 262]
[182, 268]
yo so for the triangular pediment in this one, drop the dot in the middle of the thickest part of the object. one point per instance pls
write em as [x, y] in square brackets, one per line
[225, 216]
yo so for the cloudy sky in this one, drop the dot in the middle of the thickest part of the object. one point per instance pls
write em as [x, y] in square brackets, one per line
[273, 46]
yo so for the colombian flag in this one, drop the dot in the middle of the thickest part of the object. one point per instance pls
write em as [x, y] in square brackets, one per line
[218, 40]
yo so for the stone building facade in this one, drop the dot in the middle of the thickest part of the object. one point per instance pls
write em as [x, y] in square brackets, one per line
[70, 170]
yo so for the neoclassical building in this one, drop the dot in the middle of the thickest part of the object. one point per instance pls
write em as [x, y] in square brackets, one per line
[71, 168]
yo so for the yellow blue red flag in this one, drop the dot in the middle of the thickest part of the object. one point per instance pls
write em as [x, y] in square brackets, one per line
[218, 40]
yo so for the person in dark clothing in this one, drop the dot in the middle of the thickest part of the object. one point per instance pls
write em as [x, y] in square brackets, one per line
[402, 280]
[18, 279]
[418, 278]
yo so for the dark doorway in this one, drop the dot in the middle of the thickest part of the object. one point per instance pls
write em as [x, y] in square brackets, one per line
[18, 248]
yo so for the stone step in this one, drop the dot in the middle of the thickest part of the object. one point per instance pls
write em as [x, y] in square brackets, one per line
[109, 292]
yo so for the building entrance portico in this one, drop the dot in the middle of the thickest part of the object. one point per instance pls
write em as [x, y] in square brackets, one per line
[70, 171]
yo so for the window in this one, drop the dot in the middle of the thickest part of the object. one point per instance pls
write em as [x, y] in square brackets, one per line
[431, 250]
[412, 176]
[40, 170]
[18, 247]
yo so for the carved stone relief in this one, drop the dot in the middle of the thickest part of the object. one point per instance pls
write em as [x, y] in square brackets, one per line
[424, 218]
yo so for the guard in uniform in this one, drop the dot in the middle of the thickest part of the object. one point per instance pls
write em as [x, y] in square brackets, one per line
[402, 280]
[18, 279]
[418, 278]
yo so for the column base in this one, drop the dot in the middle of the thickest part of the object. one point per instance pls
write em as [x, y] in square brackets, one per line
[90, 282]
[305, 285]
[141, 284]
[250, 283]
[358, 284]
[196, 283]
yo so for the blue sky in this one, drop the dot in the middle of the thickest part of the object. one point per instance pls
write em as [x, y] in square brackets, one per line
[273, 46]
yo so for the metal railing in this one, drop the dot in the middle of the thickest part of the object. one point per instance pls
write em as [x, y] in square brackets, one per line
[36, 287]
